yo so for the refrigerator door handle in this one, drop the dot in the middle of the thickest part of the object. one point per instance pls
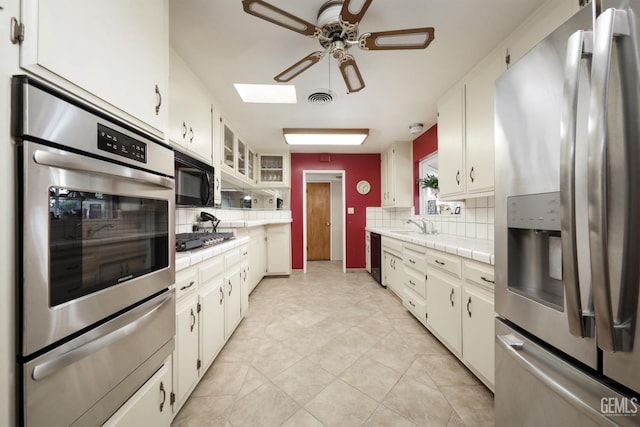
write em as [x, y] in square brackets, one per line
[546, 373]
[579, 46]
[614, 333]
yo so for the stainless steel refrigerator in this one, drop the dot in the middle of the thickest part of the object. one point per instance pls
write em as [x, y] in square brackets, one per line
[567, 215]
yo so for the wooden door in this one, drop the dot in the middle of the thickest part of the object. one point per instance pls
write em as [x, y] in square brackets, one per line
[318, 221]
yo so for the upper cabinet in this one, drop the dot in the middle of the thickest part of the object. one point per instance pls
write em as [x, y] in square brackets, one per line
[113, 54]
[466, 134]
[397, 176]
[274, 170]
[190, 111]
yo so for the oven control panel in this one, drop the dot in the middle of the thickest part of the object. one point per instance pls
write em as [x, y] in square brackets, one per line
[117, 143]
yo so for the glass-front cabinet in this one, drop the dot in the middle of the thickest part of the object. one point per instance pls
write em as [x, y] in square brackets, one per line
[274, 170]
[251, 165]
[228, 148]
[241, 152]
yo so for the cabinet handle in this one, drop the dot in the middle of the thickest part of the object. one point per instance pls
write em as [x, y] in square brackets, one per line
[188, 286]
[487, 280]
[159, 100]
[221, 295]
[164, 396]
[411, 282]
[230, 287]
[468, 304]
[193, 318]
[439, 262]
[192, 134]
[472, 174]
[458, 177]
[184, 130]
[411, 261]
[451, 297]
[217, 183]
[412, 304]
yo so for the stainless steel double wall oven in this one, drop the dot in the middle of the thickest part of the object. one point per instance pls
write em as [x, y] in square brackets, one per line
[96, 258]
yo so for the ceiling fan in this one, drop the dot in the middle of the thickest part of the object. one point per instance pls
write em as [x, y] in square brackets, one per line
[337, 32]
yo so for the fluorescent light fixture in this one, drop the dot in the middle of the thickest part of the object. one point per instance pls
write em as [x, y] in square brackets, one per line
[267, 94]
[325, 136]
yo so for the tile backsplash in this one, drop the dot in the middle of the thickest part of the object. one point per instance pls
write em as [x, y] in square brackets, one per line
[475, 219]
[186, 217]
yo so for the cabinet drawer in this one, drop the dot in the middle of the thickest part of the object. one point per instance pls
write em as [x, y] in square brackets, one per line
[392, 245]
[415, 305]
[231, 258]
[415, 280]
[415, 257]
[244, 253]
[445, 262]
[186, 282]
[479, 273]
[211, 269]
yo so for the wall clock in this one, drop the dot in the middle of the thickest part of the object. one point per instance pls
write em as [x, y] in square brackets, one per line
[363, 187]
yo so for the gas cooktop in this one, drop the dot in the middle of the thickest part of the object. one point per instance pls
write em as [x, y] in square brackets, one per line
[188, 241]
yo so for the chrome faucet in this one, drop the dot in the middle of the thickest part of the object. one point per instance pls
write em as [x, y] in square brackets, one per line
[422, 225]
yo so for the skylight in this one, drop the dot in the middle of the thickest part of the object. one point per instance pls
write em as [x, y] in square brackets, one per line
[267, 94]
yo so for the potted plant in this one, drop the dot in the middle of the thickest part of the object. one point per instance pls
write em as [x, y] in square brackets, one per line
[429, 181]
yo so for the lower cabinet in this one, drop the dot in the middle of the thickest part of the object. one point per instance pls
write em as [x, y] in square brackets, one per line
[150, 405]
[208, 311]
[245, 279]
[392, 268]
[452, 296]
[478, 326]
[443, 309]
[186, 361]
[278, 249]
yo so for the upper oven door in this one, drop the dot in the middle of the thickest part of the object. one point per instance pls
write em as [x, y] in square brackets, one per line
[97, 237]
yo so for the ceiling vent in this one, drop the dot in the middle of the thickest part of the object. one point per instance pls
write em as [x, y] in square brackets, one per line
[320, 97]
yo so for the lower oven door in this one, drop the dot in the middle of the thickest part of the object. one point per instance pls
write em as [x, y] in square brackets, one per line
[87, 379]
[97, 238]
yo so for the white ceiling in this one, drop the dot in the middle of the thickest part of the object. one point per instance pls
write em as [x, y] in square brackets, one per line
[223, 45]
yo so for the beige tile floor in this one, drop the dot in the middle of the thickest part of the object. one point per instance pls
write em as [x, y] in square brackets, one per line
[334, 349]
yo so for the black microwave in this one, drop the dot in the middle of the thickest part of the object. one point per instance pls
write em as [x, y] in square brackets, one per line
[195, 181]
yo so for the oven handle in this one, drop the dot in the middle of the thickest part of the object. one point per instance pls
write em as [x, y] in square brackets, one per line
[134, 321]
[87, 164]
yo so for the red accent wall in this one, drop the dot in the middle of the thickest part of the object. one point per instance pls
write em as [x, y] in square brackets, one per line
[357, 167]
[423, 145]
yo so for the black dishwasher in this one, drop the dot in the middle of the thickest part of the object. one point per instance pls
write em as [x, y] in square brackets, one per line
[376, 249]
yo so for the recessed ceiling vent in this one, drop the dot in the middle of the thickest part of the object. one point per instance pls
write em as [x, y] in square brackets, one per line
[320, 97]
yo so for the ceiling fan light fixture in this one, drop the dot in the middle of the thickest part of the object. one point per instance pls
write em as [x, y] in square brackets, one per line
[319, 136]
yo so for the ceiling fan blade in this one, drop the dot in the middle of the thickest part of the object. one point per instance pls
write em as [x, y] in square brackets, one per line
[353, 10]
[270, 13]
[299, 67]
[351, 74]
[414, 38]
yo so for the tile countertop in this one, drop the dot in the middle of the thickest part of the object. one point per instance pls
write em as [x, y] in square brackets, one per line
[242, 223]
[189, 258]
[476, 249]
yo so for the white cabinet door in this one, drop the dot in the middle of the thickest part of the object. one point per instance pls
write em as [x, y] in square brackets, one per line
[244, 287]
[479, 104]
[227, 147]
[233, 299]
[258, 258]
[397, 176]
[451, 143]
[113, 53]
[443, 309]
[185, 356]
[478, 329]
[149, 406]
[212, 320]
[190, 111]
[279, 249]
[274, 170]
[368, 252]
